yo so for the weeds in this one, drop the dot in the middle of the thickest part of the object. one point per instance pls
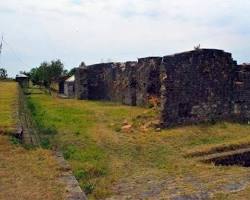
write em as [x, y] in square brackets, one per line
[45, 143]
[15, 140]
[88, 188]
[81, 174]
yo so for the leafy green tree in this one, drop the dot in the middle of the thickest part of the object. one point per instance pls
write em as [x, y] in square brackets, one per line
[71, 72]
[3, 73]
[34, 76]
[46, 73]
[65, 72]
[55, 70]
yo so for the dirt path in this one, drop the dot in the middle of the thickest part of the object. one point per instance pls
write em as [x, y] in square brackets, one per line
[191, 187]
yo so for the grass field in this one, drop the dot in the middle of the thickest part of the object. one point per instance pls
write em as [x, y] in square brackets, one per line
[25, 174]
[109, 160]
[8, 106]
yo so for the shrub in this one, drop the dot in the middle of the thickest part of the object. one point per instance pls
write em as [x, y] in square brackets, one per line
[80, 174]
[45, 143]
[14, 140]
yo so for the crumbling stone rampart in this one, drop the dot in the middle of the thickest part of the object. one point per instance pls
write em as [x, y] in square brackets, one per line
[131, 83]
[148, 80]
[196, 86]
[107, 81]
[191, 87]
[241, 92]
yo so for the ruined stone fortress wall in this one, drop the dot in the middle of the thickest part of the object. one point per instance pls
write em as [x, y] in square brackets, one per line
[191, 87]
[196, 86]
[241, 92]
[131, 83]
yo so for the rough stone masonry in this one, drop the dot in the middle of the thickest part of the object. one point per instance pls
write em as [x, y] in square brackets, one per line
[195, 86]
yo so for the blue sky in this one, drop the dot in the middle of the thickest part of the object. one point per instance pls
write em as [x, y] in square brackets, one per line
[118, 30]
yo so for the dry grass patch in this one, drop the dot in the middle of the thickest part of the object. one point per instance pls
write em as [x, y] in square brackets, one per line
[28, 174]
[8, 106]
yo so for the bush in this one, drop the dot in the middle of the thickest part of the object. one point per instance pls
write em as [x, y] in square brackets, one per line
[80, 174]
[14, 140]
[45, 143]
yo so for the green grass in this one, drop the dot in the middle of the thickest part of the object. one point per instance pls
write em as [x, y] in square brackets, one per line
[101, 153]
[25, 173]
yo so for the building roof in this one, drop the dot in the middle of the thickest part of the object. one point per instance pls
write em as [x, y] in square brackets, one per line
[21, 76]
[70, 79]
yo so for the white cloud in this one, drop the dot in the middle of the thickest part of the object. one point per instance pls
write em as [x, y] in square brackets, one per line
[89, 30]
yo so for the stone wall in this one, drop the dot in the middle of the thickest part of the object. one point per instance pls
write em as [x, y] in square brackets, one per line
[196, 87]
[191, 87]
[148, 80]
[241, 88]
[131, 83]
[81, 82]
[97, 85]
[69, 89]
[123, 85]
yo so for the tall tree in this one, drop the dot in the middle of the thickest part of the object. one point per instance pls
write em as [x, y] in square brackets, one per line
[3, 73]
[46, 73]
[34, 76]
[55, 69]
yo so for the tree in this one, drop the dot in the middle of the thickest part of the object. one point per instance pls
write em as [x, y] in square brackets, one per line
[72, 72]
[55, 70]
[3, 73]
[46, 73]
[34, 77]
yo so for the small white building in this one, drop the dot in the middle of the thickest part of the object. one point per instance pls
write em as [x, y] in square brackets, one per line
[69, 87]
[23, 80]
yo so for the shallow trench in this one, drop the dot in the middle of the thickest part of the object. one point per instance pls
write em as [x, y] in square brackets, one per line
[239, 159]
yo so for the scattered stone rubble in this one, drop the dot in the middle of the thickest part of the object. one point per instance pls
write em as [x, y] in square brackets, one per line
[191, 87]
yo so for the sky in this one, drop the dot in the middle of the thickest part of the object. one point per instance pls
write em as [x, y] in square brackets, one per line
[96, 31]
